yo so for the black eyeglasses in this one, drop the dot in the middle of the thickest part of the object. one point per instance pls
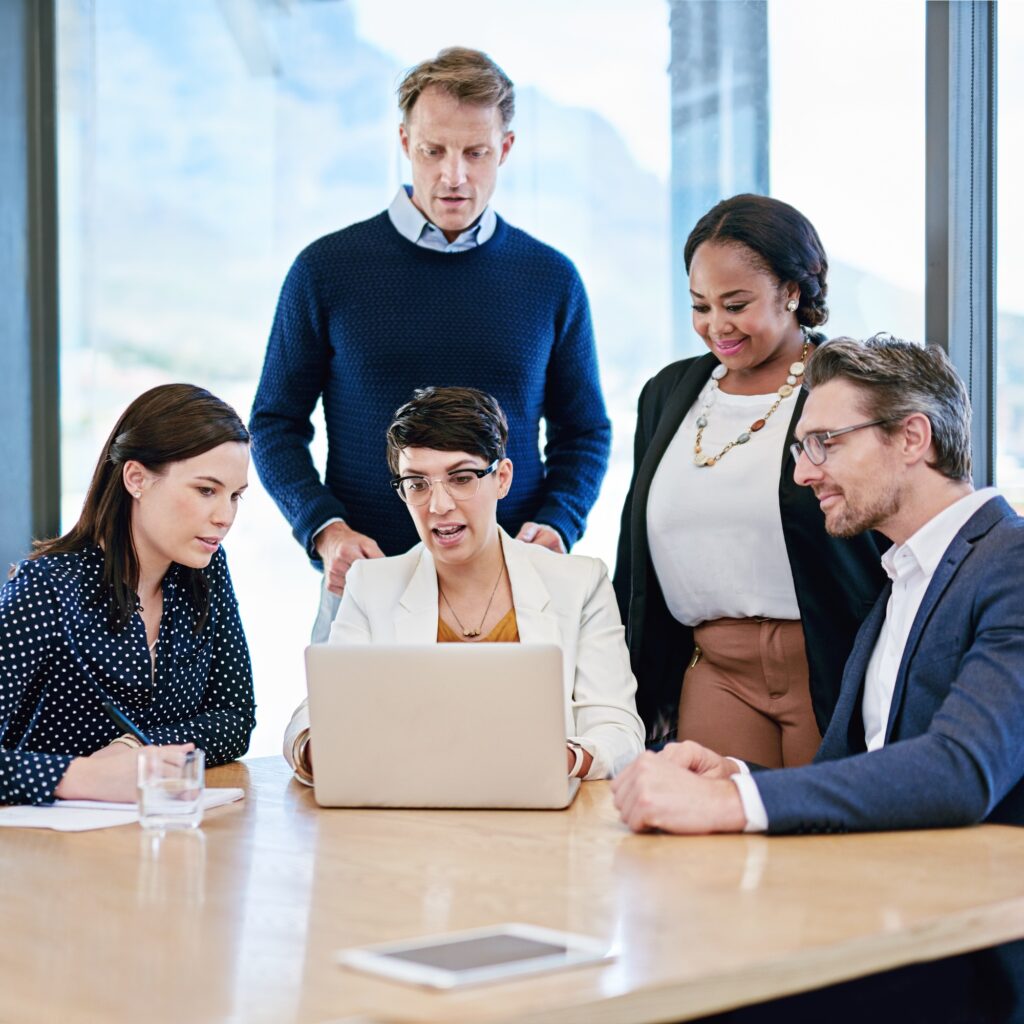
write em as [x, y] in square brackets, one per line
[813, 445]
[460, 485]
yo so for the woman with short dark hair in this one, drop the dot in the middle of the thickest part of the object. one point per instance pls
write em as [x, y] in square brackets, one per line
[469, 582]
[132, 606]
[725, 574]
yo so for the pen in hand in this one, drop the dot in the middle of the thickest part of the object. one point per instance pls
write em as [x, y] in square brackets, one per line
[126, 723]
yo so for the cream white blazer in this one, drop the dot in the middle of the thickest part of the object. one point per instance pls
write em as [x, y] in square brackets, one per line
[559, 599]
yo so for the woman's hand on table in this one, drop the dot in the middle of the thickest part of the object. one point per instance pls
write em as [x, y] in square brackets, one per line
[111, 773]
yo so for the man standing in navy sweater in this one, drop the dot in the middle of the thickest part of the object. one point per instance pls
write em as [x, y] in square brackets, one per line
[436, 290]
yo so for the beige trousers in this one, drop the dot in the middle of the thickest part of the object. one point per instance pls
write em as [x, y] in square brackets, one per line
[746, 692]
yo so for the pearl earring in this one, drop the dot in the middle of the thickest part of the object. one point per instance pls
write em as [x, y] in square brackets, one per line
[791, 305]
[138, 494]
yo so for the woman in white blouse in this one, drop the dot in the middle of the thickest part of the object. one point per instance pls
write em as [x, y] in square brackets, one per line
[469, 582]
[725, 573]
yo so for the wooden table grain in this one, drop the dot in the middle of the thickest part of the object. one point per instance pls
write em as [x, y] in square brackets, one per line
[239, 921]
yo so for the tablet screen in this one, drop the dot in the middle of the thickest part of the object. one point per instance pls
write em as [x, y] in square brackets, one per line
[472, 954]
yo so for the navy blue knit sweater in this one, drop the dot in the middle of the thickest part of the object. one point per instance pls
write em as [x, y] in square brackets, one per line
[365, 316]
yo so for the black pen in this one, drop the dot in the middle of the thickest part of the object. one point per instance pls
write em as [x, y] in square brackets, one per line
[126, 723]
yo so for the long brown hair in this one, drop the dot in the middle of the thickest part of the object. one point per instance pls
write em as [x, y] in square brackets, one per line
[169, 423]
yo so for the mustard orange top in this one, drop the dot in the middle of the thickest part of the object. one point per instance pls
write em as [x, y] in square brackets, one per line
[505, 632]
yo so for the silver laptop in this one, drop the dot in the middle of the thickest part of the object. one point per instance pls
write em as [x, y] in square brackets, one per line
[440, 725]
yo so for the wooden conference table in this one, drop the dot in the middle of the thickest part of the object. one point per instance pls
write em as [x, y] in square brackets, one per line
[238, 922]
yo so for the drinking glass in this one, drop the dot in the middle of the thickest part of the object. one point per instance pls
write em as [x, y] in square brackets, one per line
[170, 790]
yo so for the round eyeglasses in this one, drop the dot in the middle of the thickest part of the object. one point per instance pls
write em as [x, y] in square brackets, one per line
[813, 445]
[460, 485]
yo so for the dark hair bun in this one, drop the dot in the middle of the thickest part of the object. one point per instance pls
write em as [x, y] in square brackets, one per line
[781, 238]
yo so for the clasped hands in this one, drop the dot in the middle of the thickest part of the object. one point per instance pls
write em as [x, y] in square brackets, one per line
[683, 788]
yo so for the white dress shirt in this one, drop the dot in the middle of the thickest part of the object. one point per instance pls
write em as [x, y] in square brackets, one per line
[715, 534]
[910, 566]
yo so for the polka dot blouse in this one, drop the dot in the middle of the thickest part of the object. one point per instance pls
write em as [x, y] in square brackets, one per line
[59, 660]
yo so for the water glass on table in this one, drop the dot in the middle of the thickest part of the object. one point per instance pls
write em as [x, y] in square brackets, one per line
[170, 789]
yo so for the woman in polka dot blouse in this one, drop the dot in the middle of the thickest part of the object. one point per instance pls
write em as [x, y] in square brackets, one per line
[133, 605]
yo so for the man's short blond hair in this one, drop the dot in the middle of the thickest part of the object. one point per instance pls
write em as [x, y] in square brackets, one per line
[469, 76]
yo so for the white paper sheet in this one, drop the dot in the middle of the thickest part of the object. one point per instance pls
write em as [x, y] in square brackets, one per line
[82, 815]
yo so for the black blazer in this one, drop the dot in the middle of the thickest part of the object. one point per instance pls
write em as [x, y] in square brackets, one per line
[836, 580]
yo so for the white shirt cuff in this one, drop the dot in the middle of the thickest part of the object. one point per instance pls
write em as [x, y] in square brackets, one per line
[753, 805]
[320, 529]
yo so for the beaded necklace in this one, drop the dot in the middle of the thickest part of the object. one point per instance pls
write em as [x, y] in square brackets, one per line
[793, 379]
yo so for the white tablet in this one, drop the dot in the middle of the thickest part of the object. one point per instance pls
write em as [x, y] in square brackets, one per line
[497, 953]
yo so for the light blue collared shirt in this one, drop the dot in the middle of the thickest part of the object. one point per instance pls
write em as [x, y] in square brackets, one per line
[410, 223]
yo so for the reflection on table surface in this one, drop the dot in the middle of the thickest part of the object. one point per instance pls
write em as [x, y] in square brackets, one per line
[240, 920]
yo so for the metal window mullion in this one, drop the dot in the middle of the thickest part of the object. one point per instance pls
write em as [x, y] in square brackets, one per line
[960, 306]
[28, 271]
[41, 107]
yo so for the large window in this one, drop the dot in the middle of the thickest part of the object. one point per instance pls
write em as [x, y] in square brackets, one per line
[202, 145]
[1009, 438]
[848, 150]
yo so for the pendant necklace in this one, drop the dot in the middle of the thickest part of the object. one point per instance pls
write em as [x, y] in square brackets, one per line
[470, 633]
[793, 380]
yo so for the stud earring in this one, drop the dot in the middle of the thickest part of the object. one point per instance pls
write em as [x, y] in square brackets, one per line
[791, 305]
[138, 494]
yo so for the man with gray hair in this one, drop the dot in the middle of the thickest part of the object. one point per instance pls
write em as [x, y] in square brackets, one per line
[928, 731]
[436, 290]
